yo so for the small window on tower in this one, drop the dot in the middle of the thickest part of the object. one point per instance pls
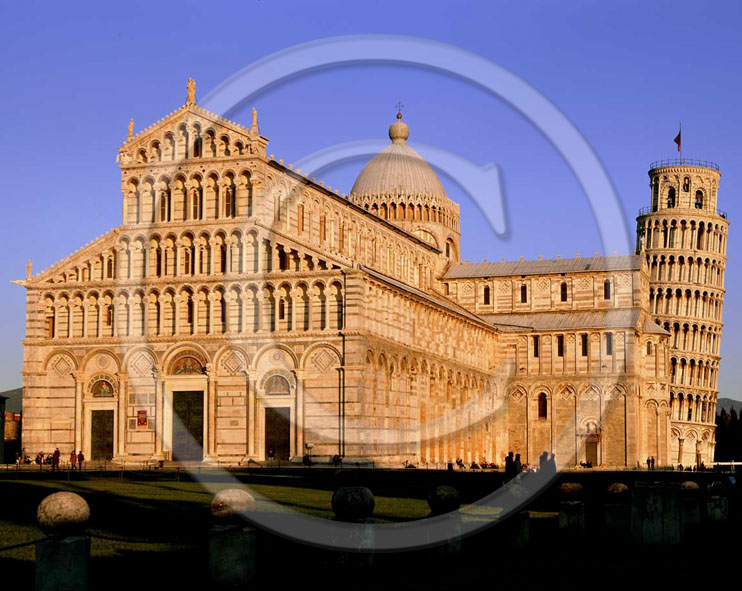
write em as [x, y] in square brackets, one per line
[699, 199]
[563, 290]
[486, 295]
[583, 343]
[686, 184]
[607, 290]
[523, 294]
[560, 345]
[671, 197]
[609, 343]
[536, 346]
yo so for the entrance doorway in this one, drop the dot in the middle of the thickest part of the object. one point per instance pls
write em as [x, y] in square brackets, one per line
[278, 432]
[101, 435]
[591, 451]
[188, 426]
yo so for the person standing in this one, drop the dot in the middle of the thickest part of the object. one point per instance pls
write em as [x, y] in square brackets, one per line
[271, 455]
[80, 460]
[552, 464]
[649, 463]
[517, 466]
[55, 459]
[509, 465]
[73, 459]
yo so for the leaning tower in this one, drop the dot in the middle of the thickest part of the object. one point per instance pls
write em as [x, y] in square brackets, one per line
[684, 238]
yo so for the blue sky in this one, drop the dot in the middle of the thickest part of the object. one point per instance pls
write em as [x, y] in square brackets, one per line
[624, 74]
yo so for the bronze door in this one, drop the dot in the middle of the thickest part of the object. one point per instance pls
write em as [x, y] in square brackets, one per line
[591, 452]
[188, 426]
[101, 435]
[278, 432]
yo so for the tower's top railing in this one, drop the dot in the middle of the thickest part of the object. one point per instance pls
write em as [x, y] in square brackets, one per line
[684, 162]
[648, 210]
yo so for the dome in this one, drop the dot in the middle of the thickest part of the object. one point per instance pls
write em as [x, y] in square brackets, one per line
[398, 170]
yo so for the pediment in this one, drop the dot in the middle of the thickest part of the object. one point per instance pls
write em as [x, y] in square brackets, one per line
[91, 257]
[190, 132]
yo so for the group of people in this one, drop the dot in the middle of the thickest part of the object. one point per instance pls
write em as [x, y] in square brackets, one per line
[650, 463]
[483, 465]
[52, 459]
[514, 465]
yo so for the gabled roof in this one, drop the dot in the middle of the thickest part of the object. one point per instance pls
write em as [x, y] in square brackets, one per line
[545, 267]
[194, 109]
[431, 297]
[102, 242]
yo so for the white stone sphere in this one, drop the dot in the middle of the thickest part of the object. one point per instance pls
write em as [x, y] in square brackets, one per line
[63, 513]
[231, 503]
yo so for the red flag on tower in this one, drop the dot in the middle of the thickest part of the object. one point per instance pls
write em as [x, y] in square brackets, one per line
[677, 138]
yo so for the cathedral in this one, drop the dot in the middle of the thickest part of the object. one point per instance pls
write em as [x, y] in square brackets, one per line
[242, 310]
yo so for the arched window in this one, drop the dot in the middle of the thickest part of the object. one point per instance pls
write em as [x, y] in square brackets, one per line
[671, 197]
[563, 291]
[196, 204]
[50, 322]
[189, 315]
[699, 199]
[607, 290]
[448, 249]
[686, 184]
[486, 295]
[649, 347]
[109, 268]
[187, 262]
[542, 406]
[300, 218]
[277, 386]
[523, 294]
[228, 203]
[223, 258]
[197, 147]
[164, 206]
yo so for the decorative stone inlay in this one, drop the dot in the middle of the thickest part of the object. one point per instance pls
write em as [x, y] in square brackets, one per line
[276, 357]
[102, 361]
[62, 365]
[233, 362]
[590, 394]
[141, 365]
[63, 513]
[323, 360]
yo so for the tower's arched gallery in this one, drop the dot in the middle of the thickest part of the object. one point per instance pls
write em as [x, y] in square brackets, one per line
[241, 306]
